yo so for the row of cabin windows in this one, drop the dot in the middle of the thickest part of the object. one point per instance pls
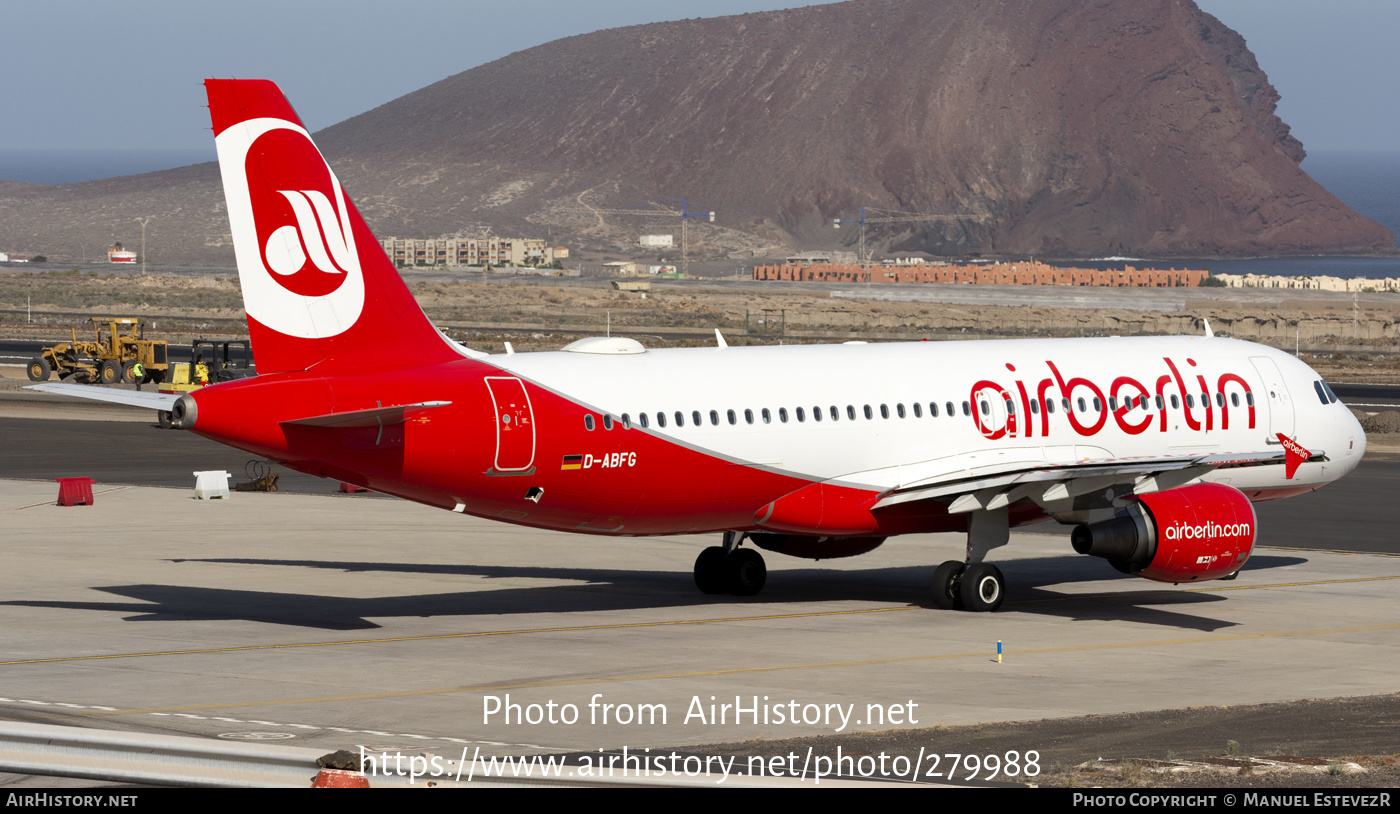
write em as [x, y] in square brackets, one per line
[833, 412]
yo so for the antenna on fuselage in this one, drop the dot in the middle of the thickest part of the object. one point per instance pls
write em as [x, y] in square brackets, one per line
[719, 340]
[1209, 332]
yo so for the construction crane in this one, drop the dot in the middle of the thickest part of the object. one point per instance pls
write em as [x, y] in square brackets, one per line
[892, 217]
[661, 210]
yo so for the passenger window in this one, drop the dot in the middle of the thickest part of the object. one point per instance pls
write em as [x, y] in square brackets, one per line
[1235, 399]
[1176, 403]
[801, 416]
[918, 411]
[607, 422]
[1219, 399]
[680, 418]
[1082, 405]
[1113, 404]
[851, 412]
[748, 416]
[899, 410]
[816, 414]
[1010, 407]
[948, 409]
[1190, 402]
[1159, 401]
[626, 421]
[714, 418]
[588, 422]
[933, 409]
[1035, 407]
[868, 414]
[734, 419]
[1049, 406]
[835, 413]
[695, 417]
[661, 420]
[884, 411]
[967, 409]
[1098, 405]
[1064, 402]
[984, 407]
[1249, 399]
[642, 419]
[782, 415]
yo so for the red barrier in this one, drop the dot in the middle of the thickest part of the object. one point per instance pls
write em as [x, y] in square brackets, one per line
[74, 491]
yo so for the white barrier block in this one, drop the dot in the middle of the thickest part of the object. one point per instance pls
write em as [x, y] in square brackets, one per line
[209, 485]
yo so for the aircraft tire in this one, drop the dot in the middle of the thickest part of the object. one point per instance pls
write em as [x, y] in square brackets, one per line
[946, 580]
[165, 419]
[39, 369]
[746, 572]
[709, 571]
[983, 587]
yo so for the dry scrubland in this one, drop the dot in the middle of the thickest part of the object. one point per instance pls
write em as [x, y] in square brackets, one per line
[1345, 340]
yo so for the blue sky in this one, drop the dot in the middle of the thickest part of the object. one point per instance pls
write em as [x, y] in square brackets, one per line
[82, 74]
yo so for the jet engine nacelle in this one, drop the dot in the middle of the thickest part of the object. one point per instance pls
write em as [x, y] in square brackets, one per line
[815, 548]
[1189, 534]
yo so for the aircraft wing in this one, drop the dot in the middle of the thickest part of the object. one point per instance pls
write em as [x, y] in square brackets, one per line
[1054, 483]
[133, 398]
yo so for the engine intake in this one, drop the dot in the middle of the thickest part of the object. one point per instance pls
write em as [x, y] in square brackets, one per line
[1190, 534]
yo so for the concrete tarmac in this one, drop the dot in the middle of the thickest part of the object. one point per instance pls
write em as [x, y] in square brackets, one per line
[334, 621]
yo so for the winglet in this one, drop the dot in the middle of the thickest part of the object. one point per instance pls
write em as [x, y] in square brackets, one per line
[1294, 456]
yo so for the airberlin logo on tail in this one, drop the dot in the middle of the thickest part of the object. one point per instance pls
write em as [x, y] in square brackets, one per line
[292, 234]
[317, 234]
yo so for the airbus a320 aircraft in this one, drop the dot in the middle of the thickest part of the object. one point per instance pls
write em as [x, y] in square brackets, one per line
[1153, 448]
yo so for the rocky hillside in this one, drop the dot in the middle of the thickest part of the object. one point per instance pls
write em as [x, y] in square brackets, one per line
[1053, 127]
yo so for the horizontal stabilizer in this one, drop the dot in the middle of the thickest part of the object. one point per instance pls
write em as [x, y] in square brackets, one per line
[374, 417]
[132, 398]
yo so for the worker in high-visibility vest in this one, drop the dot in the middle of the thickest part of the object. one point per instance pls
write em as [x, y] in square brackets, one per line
[138, 373]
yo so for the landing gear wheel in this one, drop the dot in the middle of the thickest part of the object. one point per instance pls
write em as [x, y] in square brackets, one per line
[39, 370]
[946, 580]
[983, 587]
[110, 372]
[166, 421]
[709, 571]
[745, 572]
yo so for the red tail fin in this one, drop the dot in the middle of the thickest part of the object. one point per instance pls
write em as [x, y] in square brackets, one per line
[316, 284]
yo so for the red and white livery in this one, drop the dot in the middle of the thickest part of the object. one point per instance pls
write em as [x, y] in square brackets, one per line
[1153, 448]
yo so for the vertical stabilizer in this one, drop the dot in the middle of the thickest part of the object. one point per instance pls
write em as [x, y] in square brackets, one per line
[317, 286]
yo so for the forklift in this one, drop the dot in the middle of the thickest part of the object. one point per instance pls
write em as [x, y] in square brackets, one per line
[211, 361]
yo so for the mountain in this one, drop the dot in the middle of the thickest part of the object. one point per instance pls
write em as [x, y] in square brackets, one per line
[1053, 127]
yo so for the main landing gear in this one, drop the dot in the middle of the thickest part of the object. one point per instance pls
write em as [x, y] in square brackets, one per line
[975, 585]
[730, 569]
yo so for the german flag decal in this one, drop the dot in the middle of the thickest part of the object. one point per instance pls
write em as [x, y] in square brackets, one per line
[572, 462]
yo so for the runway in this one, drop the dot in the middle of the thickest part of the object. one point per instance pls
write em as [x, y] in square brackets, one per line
[334, 621]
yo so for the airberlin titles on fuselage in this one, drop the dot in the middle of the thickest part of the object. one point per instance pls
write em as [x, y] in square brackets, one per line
[1135, 407]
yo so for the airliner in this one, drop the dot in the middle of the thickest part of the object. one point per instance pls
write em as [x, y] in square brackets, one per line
[1153, 448]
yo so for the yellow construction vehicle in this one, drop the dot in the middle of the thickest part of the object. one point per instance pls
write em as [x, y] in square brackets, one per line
[112, 357]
